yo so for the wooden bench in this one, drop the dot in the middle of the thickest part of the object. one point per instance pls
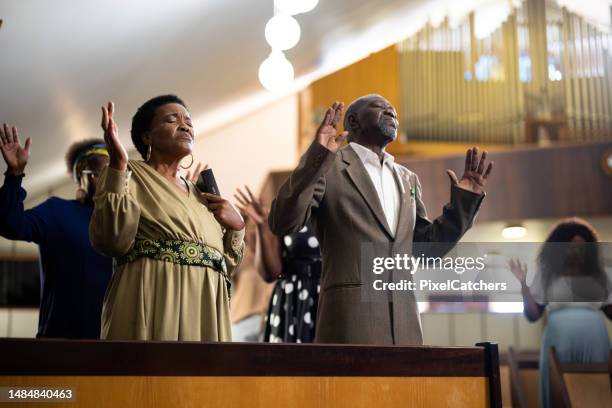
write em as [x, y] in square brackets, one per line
[523, 373]
[580, 385]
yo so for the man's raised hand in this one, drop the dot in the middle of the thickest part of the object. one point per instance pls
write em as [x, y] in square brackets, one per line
[327, 135]
[474, 176]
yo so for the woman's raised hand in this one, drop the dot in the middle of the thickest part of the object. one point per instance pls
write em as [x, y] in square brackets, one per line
[251, 206]
[118, 154]
[518, 269]
[15, 156]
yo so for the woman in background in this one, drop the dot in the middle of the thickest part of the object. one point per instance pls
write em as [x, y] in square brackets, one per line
[572, 288]
[295, 264]
[73, 275]
[175, 246]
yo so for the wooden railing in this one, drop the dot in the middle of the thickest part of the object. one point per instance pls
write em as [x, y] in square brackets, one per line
[135, 374]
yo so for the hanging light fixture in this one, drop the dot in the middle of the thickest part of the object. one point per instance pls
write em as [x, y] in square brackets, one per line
[276, 72]
[293, 7]
[282, 32]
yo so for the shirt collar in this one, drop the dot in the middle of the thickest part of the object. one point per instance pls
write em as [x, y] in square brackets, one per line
[366, 155]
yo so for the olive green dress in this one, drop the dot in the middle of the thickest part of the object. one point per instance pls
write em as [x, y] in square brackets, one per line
[164, 298]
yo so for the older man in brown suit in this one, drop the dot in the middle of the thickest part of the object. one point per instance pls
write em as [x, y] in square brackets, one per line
[356, 194]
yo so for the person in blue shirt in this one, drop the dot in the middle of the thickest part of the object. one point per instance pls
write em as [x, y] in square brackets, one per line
[73, 275]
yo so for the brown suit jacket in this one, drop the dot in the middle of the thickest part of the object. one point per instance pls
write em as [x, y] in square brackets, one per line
[337, 192]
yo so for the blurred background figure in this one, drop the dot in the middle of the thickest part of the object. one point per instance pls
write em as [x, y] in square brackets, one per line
[251, 294]
[175, 247]
[295, 264]
[569, 280]
[73, 276]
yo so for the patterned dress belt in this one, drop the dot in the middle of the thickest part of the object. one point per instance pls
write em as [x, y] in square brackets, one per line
[178, 252]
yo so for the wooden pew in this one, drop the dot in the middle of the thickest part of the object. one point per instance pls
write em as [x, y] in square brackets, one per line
[523, 370]
[191, 374]
[580, 385]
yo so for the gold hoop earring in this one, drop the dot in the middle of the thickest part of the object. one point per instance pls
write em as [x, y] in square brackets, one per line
[148, 154]
[190, 164]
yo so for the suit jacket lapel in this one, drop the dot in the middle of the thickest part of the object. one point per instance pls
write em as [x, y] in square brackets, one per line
[361, 179]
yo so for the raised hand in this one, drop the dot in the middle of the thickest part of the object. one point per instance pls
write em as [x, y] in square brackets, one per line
[251, 206]
[193, 177]
[15, 156]
[118, 155]
[474, 176]
[327, 135]
[224, 211]
[518, 269]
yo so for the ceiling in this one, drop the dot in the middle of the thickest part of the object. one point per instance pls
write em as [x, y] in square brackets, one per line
[62, 60]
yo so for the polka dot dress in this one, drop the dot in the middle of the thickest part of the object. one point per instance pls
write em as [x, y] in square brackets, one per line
[293, 304]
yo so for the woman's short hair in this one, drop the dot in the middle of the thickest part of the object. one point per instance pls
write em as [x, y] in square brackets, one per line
[141, 122]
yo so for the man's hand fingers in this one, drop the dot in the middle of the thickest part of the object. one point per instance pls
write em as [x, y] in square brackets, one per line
[468, 160]
[327, 118]
[337, 113]
[481, 162]
[489, 168]
[453, 177]
[28, 143]
[474, 158]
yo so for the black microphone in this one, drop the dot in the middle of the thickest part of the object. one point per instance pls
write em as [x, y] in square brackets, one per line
[207, 184]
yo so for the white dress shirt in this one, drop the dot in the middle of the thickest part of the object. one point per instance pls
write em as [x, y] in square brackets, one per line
[383, 177]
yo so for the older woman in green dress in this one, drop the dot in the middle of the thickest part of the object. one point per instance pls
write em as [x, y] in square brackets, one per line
[174, 246]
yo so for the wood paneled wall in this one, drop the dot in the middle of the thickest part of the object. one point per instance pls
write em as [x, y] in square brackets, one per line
[550, 182]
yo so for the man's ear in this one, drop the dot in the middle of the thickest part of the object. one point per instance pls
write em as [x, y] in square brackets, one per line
[353, 123]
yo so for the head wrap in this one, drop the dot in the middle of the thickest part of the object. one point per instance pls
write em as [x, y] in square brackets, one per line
[80, 163]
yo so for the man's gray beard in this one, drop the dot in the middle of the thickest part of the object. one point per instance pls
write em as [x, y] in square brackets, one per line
[387, 131]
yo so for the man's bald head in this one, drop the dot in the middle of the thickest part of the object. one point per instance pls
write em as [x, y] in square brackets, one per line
[371, 115]
[355, 107]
